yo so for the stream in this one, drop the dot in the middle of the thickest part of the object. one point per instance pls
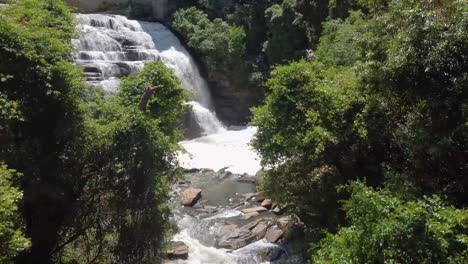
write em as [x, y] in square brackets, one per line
[217, 161]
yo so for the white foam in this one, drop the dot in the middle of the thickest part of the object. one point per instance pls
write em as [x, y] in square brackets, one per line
[227, 148]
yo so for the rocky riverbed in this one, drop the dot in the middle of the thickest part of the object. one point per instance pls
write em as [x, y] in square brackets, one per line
[222, 213]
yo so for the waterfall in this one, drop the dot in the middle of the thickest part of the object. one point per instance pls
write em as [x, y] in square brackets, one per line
[112, 46]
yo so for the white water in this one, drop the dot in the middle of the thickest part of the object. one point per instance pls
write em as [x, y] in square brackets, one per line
[227, 148]
[111, 47]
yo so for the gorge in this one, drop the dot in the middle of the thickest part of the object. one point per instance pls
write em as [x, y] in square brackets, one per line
[110, 47]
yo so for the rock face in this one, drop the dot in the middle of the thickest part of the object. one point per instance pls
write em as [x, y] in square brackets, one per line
[232, 103]
[249, 215]
[178, 250]
[274, 234]
[190, 196]
[257, 209]
[238, 237]
[91, 6]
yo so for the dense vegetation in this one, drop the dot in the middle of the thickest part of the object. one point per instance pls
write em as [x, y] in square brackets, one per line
[384, 99]
[94, 172]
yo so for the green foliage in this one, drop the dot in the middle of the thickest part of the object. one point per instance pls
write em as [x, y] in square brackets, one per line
[305, 111]
[311, 132]
[12, 239]
[96, 172]
[40, 90]
[384, 99]
[136, 164]
[386, 229]
[287, 39]
[220, 45]
[423, 81]
[347, 42]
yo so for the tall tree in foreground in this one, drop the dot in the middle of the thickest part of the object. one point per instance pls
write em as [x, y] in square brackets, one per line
[95, 171]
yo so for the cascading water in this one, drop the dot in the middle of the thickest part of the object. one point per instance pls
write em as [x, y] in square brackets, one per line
[111, 47]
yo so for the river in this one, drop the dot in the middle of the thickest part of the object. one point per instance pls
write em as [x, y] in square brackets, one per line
[110, 47]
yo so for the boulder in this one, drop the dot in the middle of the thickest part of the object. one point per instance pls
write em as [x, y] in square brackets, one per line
[259, 197]
[249, 215]
[248, 196]
[236, 239]
[206, 209]
[274, 234]
[235, 202]
[267, 203]
[277, 209]
[178, 250]
[260, 229]
[190, 196]
[257, 209]
[283, 222]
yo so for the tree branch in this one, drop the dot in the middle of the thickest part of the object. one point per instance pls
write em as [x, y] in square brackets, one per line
[147, 96]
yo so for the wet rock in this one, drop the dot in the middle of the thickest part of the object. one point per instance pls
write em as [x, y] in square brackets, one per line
[225, 175]
[277, 209]
[267, 203]
[190, 196]
[283, 222]
[259, 197]
[236, 239]
[251, 225]
[235, 202]
[260, 229]
[206, 209]
[248, 196]
[251, 180]
[274, 234]
[178, 250]
[270, 253]
[249, 215]
[257, 209]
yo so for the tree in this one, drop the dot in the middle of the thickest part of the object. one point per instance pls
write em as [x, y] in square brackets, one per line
[220, 45]
[95, 171]
[312, 136]
[387, 229]
[40, 82]
[134, 164]
[12, 239]
[287, 39]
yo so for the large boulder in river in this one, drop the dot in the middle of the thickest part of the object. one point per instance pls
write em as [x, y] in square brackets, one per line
[244, 235]
[237, 238]
[274, 234]
[190, 196]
